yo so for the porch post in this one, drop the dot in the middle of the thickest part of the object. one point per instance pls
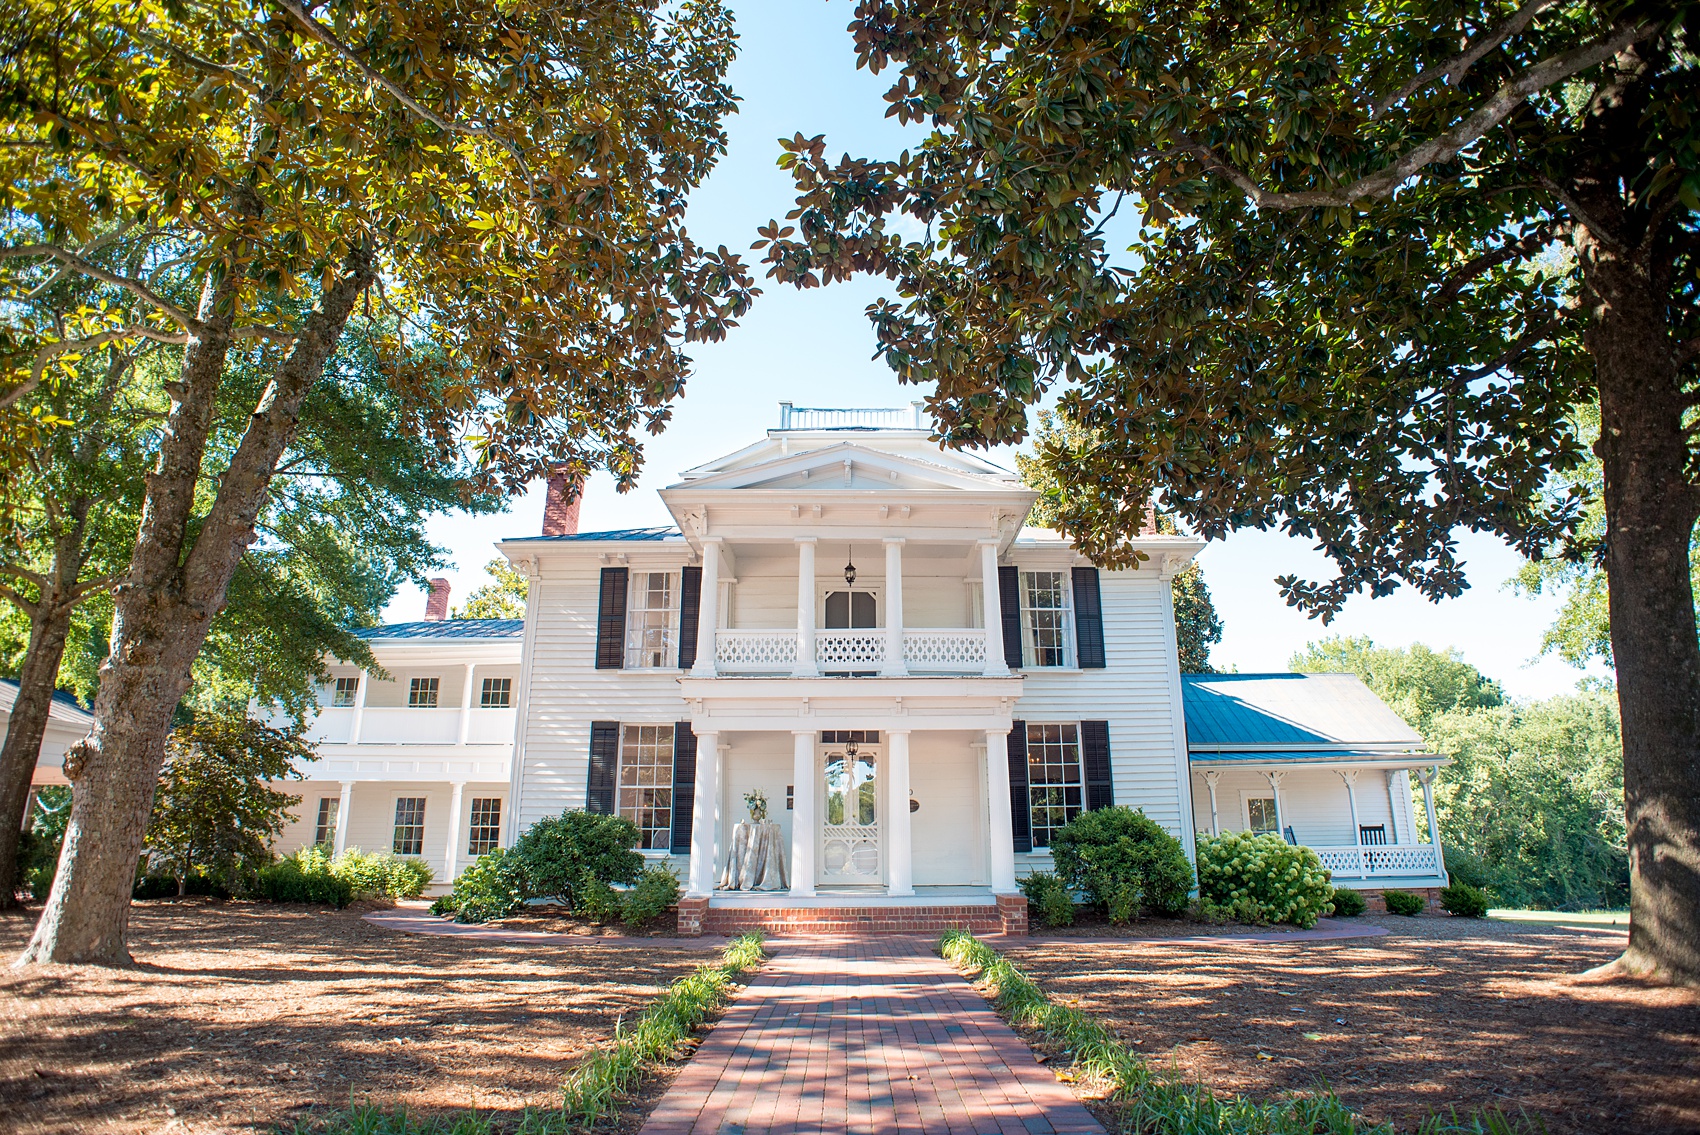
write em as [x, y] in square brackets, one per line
[1426, 776]
[999, 832]
[449, 861]
[343, 802]
[893, 666]
[1274, 779]
[805, 666]
[900, 872]
[708, 614]
[1350, 776]
[993, 607]
[465, 705]
[359, 709]
[1392, 777]
[803, 813]
[1210, 779]
[705, 815]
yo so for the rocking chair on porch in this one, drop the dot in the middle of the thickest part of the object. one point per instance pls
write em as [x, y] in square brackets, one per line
[1372, 835]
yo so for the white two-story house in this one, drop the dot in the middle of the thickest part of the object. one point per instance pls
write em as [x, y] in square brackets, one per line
[855, 623]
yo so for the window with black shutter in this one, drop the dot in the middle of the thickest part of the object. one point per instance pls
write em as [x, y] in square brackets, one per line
[611, 620]
[1020, 818]
[1095, 756]
[1009, 603]
[1088, 619]
[690, 614]
[604, 765]
[684, 785]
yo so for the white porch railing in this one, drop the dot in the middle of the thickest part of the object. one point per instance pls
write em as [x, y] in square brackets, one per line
[400, 725]
[755, 652]
[944, 651]
[1384, 860]
[850, 648]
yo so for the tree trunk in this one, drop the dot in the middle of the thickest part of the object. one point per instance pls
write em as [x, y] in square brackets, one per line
[163, 611]
[1651, 511]
[50, 626]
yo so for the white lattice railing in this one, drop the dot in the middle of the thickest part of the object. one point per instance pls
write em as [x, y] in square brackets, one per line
[821, 417]
[1379, 860]
[755, 652]
[945, 651]
[850, 648]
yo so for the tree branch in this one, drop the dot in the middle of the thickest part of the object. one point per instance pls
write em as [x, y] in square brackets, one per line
[91, 247]
[1481, 265]
[1458, 66]
[1444, 148]
[135, 287]
[298, 11]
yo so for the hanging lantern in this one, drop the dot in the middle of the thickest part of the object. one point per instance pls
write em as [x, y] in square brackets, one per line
[850, 568]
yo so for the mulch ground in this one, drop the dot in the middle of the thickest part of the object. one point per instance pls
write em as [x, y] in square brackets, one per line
[241, 1016]
[1441, 1013]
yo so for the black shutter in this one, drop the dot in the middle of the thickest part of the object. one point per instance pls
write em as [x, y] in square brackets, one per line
[1095, 761]
[684, 784]
[1088, 619]
[611, 621]
[1020, 807]
[1009, 599]
[690, 613]
[604, 760]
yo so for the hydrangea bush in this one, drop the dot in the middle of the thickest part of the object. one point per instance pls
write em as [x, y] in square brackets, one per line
[1263, 879]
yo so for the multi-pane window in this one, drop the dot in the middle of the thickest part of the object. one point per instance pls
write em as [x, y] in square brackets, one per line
[497, 693]
[652, 620]
[324, 827]
[485, 830]
[409, 825]
[422, 693]
[646, 782]
[345, 691]
[1260, 814]
[1044, 618]
[1054, 791]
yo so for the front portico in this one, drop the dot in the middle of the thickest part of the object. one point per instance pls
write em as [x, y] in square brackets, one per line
[887, 788]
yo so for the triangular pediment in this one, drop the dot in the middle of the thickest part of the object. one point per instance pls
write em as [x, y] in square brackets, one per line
[848, 467]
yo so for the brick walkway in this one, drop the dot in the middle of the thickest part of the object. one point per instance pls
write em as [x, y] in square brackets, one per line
[862, 1035]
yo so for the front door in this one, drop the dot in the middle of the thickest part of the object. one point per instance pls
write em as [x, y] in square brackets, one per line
[850, 807]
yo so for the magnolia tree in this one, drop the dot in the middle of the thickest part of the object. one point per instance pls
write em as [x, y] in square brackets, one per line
[507, 181]
[1382, 252]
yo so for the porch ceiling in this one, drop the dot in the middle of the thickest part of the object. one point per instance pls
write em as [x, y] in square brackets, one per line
[787, 704]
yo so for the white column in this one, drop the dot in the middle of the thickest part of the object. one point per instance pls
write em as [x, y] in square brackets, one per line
[465, 703]
[342, 804]
[900, 869]
[1426, 776]
[1350, 776]
[456, 832]
[803, 813]
[995, 666]
[805, 666]
[1210, 779]
[359, 709]
[1274, 779]
[708, 614]
[705, 815]
[1393, 804]
[893, 666]
[1000, 835]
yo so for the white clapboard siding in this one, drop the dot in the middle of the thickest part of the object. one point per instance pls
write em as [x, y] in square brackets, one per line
[1313, 803]
[371, 817]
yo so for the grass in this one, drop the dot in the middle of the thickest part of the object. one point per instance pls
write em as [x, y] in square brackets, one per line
[593, 1090]
[1564, 917]
[1150, 1103]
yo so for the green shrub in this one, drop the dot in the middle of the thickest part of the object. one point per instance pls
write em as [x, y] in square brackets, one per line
[490, 887]
[1463, 867]
[656, 891]
[576, 858]
[154, 886]
[1464, 900]
[306, 876]
[382, 875]
[1348, 903]
[1263, 878]
[1049, 898]
[1403, 902]
[1110, 854]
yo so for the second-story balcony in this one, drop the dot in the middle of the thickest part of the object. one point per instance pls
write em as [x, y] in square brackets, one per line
[943, 651]
[404, 725]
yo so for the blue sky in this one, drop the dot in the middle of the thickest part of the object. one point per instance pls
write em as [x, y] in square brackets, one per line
[796, 72]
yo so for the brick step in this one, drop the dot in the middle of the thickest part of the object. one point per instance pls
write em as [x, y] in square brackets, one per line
[1009, 916]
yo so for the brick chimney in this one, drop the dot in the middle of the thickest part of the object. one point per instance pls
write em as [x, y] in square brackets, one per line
[560, 507]
[437, 603]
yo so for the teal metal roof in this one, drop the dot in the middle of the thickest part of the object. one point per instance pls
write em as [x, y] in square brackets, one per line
[613, 534]
[1289, 711]
[1300, 756]
[446, 628]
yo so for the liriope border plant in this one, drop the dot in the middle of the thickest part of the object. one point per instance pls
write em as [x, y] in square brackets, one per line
[1152, 1103]
[592, 1092]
